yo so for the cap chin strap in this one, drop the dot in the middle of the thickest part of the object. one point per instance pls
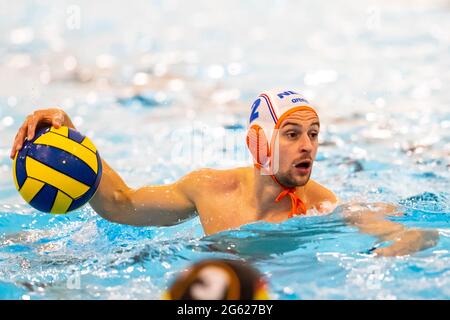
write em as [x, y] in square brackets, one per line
[297, 205]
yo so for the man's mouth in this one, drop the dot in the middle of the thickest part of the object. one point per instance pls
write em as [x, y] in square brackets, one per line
[303, 166]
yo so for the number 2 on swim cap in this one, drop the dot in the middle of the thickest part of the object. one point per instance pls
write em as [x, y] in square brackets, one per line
[254, 113]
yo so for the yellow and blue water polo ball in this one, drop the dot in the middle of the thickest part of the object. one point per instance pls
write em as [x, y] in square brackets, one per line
[58, 171]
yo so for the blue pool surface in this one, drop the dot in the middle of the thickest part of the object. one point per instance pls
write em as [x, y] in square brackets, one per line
[170, 92]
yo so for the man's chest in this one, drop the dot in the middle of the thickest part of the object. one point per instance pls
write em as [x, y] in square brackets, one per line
[230, 211]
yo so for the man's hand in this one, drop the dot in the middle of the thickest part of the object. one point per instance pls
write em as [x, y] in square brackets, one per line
[38, 119]
[371, 219]
[409, 241]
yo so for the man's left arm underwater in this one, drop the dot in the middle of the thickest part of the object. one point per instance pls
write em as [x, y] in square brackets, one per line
[404, 241]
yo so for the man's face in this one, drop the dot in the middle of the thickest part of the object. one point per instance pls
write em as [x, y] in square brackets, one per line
[297, 146]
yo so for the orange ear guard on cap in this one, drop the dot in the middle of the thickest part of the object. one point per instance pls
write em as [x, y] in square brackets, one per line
[258, 146]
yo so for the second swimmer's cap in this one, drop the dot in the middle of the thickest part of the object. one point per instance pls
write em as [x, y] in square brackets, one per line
[267, 113]
[219, 279]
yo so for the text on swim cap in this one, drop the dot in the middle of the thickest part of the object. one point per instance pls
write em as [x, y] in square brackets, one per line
[295, 100]
[286, 93]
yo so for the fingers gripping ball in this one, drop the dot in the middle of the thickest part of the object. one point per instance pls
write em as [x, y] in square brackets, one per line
[58, 171]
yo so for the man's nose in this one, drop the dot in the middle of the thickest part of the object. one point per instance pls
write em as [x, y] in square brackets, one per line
[305, 144]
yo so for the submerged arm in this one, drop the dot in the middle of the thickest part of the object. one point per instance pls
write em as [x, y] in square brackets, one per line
[404, 241]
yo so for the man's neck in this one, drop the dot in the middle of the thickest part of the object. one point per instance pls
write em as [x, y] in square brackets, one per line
[266, 190]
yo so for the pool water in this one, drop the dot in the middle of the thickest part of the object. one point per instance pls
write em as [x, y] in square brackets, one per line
[170, 92]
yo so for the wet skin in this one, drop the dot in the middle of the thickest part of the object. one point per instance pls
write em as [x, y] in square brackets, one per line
[227, 199]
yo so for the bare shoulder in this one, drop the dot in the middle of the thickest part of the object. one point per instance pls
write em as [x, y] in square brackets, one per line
[207, 179]
[319, 193]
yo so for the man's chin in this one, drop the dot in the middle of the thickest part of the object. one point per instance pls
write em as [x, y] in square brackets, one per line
[295, 181]
[301, 180]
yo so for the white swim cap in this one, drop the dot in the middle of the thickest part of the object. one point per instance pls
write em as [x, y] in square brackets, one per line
[267, 113]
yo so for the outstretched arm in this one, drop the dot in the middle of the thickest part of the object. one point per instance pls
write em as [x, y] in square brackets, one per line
[114, 200]
[146, 206]
[373, 221]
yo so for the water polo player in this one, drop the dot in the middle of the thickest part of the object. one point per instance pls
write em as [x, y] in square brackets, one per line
[219, 279]
[283, 140]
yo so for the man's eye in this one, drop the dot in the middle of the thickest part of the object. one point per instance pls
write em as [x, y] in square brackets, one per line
[291, 134]
[314, 134]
